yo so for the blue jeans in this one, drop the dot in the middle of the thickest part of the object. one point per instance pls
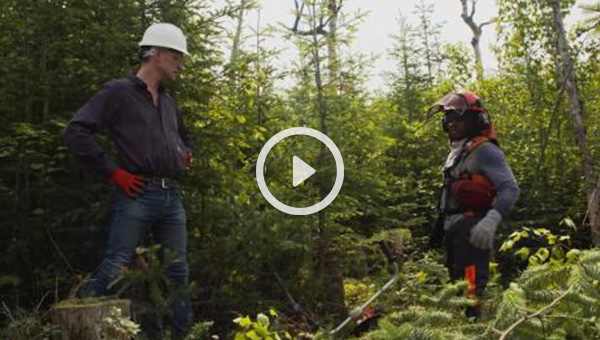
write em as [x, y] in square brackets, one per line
[161, 212]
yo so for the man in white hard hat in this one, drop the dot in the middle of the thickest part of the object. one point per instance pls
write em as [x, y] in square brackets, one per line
[154, 151]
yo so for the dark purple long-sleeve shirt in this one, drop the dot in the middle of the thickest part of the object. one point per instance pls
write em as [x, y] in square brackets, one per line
[151, 140]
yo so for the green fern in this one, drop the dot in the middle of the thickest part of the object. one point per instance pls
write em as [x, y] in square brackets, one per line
[555, 300]
[563, 296]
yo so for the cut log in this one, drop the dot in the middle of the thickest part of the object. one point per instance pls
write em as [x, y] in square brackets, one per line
[83, 319]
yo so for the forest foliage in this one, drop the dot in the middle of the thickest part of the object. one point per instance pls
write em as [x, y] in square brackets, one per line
[303, 273]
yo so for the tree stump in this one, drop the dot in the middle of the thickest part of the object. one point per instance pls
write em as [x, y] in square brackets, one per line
[83, 319]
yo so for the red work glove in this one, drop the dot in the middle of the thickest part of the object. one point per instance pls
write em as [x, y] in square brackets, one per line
[131, 185]
[187, 159]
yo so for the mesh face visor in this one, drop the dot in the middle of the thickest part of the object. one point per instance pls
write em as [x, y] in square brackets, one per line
[450, 102]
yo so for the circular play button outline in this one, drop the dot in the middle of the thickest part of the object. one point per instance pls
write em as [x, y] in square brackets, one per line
[260, 165]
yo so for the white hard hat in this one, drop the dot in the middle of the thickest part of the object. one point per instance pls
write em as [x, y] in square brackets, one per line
[165, 35]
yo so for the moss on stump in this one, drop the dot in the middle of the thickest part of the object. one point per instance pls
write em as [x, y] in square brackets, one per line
[80, 319]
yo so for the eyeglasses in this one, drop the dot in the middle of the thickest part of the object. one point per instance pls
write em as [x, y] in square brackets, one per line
[177, 56]
[453, 113]
[452, 116]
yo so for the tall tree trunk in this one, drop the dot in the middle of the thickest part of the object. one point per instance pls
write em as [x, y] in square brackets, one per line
[233, 74]
[46, 86]
[426, 43]
[468, 18]
[257, 99]
[238, 33]
[576, 112]
[323, 14]
[332, 54]
[27, 93]
[327, 264]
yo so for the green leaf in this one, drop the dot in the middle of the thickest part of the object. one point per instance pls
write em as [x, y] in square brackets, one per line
[516, 238]
[252, 335]
[558, 253]
[523, 253]
[421, 276]
[263, 319]
[514, 234]
[542, 254]
[244, 322]
[569, 223]
[261, 330]
[240, 119]
[507, 245]
[572, 255]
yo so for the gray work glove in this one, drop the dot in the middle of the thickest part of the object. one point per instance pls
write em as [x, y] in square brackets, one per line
[482, 234]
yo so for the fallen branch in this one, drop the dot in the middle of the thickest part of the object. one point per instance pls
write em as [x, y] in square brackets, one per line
[505, 333]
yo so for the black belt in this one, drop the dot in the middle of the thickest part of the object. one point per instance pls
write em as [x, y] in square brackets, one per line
[164, 182]
[479, 212]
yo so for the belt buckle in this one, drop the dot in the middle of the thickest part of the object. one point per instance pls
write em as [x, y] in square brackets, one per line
[162, 183]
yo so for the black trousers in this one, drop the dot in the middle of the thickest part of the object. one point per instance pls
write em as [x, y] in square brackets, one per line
[463, 260]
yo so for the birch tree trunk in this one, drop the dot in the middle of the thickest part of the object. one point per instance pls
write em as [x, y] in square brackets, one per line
[468, 18]
[576, 112]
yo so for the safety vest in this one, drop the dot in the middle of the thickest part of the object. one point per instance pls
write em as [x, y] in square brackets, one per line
[465, 191]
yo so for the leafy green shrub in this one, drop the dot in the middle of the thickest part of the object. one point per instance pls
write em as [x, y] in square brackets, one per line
[357, 292]
[23, 325]
[200, 331]
[259, 329]
[147, 286]
[536, 246]
[115, 326]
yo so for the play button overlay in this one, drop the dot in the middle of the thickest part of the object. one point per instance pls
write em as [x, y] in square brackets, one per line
[301, 171]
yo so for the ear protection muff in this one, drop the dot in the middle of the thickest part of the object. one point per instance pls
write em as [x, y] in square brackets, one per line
[483, 120]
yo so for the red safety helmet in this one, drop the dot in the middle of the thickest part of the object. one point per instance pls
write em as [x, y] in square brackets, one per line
[465, 102]
[458, 101]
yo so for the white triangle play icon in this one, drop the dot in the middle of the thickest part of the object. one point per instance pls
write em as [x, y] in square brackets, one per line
[301, 171]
